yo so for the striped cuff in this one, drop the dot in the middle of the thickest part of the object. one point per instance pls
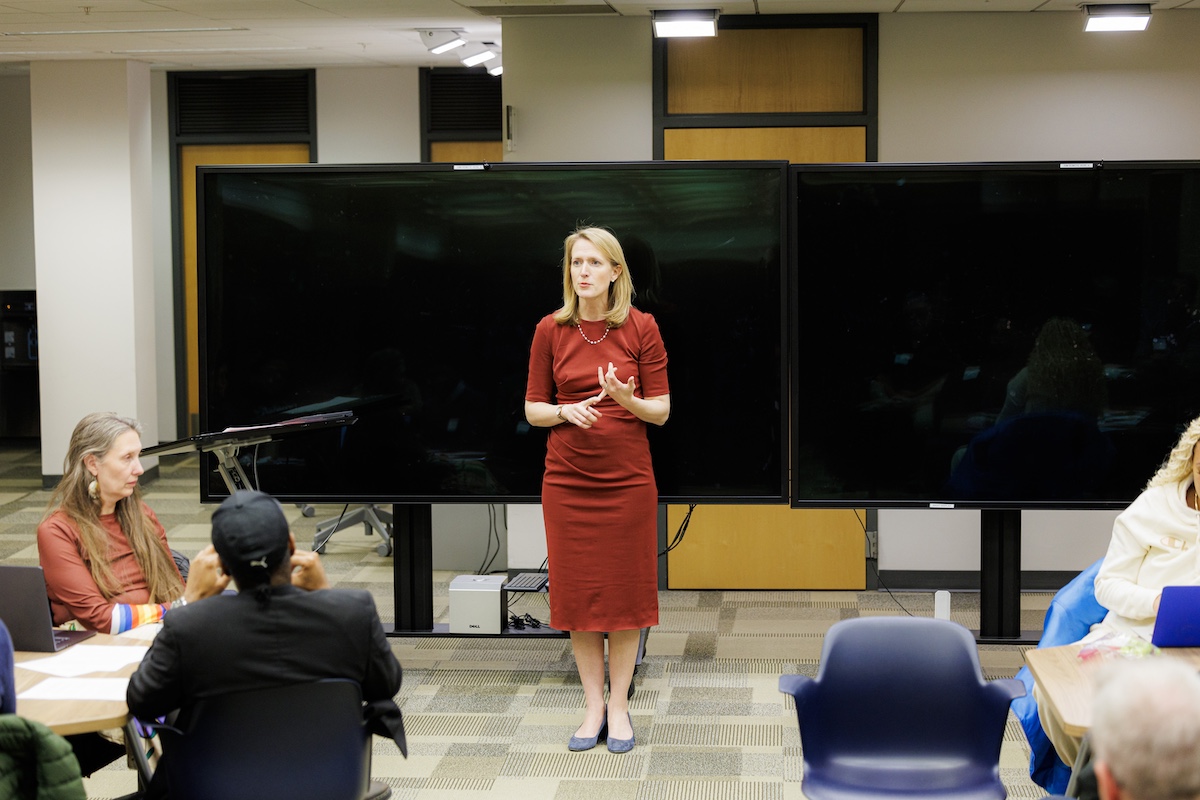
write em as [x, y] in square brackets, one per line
[127, 617]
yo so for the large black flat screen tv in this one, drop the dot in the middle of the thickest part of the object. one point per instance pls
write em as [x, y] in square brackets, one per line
[408, 295]
[991, 335]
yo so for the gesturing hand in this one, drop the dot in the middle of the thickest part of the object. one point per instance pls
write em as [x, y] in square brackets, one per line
[582, 413]
[611, 384]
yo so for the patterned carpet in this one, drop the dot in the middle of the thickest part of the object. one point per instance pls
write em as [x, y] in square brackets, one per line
[489, 717]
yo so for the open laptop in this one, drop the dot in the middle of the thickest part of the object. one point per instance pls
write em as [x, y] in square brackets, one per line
[1178, 621]
[26, 612]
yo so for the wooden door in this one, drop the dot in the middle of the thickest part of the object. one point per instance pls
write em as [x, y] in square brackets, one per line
[190, 157]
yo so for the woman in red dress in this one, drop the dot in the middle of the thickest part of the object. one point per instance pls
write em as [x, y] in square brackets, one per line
[597, 375]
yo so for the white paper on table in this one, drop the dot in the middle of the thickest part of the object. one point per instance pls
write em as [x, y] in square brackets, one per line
[77, 689]
[83, 659]
[144, 633]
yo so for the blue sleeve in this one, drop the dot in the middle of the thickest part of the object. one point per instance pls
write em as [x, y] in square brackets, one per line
[8, 691]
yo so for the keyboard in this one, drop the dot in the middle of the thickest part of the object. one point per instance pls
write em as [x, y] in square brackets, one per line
[527, 582]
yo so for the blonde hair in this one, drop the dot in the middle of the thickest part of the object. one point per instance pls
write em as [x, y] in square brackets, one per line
[1178, 465]
[95, 435]
[620, 293]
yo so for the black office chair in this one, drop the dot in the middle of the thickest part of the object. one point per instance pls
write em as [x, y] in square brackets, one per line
[303, 742]
[900, 709]
[374, 517]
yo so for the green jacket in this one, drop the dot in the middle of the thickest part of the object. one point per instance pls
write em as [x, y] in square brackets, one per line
[36, 763]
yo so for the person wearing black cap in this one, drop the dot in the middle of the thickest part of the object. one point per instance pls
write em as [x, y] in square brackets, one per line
[278, 629]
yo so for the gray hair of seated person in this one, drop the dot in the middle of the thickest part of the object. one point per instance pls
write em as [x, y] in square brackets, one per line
[1146, 727]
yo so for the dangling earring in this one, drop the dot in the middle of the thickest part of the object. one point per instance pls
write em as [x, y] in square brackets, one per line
[94, 490]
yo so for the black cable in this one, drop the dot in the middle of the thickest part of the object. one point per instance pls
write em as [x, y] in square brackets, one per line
[489, 557]
[257, 482]
[679, 534]
[336, 523]
[495, 529]
[879, 579]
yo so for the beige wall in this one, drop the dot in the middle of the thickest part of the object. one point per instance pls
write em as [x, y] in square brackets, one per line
[92, 209]
[164, 267]
[1015, 87]
[368, 115]
[580, 88]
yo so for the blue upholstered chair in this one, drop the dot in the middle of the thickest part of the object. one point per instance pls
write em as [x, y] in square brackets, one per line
[303, 742]
[1072, 613]
[900, 709]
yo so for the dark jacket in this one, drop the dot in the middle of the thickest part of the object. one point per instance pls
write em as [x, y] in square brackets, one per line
[36, 763]
[239, 642]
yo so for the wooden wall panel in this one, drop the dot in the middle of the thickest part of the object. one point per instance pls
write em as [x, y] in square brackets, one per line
[762, 71]
[466, 152]
[190, 157]
[797, 145]
[767, 547]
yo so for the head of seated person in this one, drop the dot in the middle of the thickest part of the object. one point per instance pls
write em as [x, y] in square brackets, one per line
[256, 548]
[1146, 730]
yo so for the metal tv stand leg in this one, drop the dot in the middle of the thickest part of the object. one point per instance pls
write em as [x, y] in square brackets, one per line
[375, 518]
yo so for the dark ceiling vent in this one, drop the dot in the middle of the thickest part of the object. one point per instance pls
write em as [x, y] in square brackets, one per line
[461, 100]
[243, 103]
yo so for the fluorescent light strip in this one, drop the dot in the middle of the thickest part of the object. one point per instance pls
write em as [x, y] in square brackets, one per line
[684, 22]
[1116, 16]
[127, 30]
[668, 28]
[5, 53]
[1117, 23]
[478, 58]
[213, 50]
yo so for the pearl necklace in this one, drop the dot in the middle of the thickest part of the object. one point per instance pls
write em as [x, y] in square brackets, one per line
[585, 336]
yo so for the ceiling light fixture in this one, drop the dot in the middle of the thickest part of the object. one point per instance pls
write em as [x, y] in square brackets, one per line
[438, 42]
[496, 67]
[681, 22]
[477, 55]
[1116, 16]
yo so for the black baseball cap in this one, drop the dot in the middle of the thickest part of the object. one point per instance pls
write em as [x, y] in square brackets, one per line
[250, 532]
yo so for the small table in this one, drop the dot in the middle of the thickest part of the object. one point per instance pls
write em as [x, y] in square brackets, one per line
[67, 717]
[1068, 687]
[1067, 684]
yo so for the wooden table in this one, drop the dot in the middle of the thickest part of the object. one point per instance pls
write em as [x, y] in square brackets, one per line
[66, 717]
[1068, 684]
